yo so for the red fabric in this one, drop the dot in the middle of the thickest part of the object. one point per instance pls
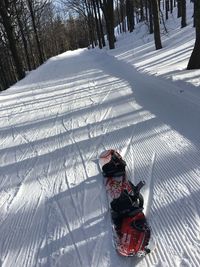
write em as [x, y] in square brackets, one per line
[132, 240]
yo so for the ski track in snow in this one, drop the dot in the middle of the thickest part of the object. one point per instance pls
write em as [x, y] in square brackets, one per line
[54, 210]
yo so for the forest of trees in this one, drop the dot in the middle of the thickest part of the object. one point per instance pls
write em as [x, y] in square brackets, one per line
[31, 31]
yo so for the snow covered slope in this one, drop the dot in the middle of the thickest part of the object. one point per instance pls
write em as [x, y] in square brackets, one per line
[56, 122]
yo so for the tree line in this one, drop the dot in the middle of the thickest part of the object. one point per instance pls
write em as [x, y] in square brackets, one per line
[31, 31]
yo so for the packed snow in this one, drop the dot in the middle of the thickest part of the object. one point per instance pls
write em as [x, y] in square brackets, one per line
[57, 121]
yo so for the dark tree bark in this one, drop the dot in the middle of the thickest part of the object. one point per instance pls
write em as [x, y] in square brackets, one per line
[122, 15]
[179, 8]
[31, 10]
[130, 15]
[108, 11]
[175, 3]
[156, 24]
[118, 18]
[25, 44]
[32, 56]
[183, 14]
[194, 62]
[146, 10]
[166, 9]
[100, 24]
[159, 5]
[3, 79]
[150, 18]
[6, 21]
[194, 16]
[141, 11]
[97, 24]
[171, 6]
[90, 17]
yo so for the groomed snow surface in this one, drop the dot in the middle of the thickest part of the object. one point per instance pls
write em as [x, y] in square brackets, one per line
[57, 121]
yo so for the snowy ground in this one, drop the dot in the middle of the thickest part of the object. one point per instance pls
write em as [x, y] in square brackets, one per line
[56, 122]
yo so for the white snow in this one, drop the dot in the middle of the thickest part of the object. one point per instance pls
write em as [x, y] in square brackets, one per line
[56, 122]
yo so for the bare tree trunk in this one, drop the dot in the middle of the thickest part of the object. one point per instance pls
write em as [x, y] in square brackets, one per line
[166, 9]
[175, 3]
[194, 16]
[100, 24]
[146, 10]
[141, 11]
[130, 15]
[3, 80]
[108, 11]
[179, 8]
[40, 54]
[97, 24]
[11, 39]
[155, 11]
[171, 6]
[122, 15]
[32, 56]
[118, 18]
[194, 62]
[25, 45]
[150, 18]
[183, 14]
[91, 23]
